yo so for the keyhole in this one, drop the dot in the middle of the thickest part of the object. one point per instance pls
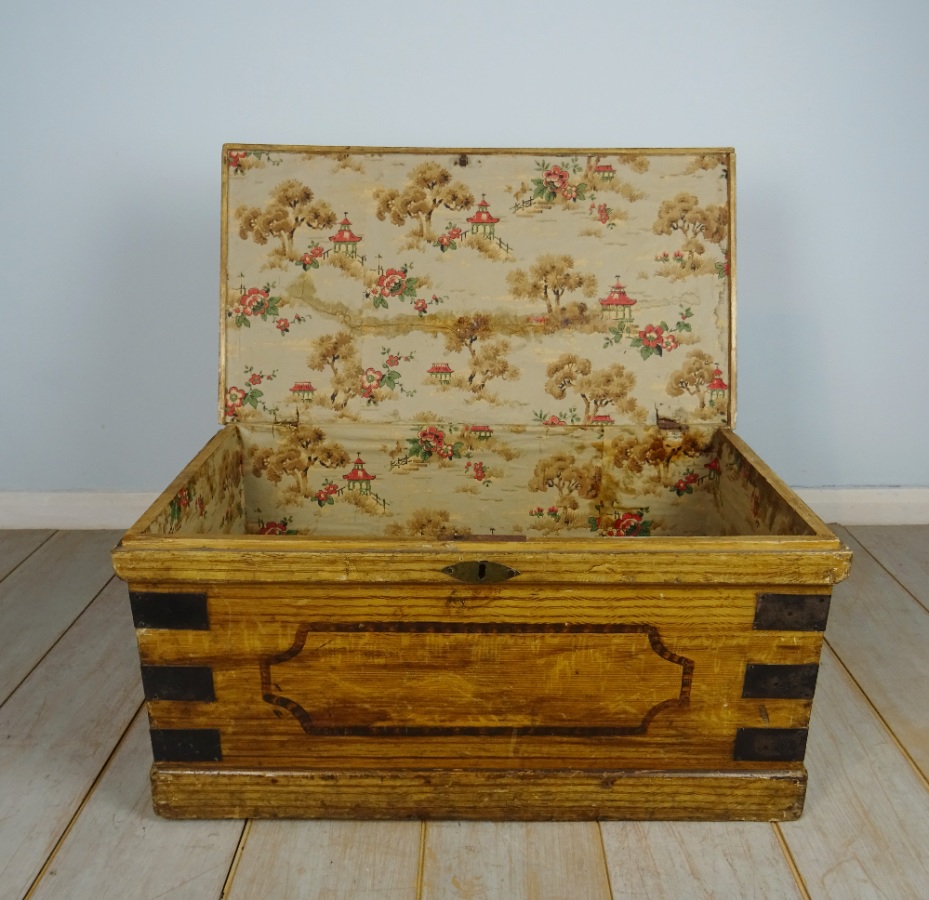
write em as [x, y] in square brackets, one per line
[481, 570]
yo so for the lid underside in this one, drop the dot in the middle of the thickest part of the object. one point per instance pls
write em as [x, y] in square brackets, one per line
[488, 287]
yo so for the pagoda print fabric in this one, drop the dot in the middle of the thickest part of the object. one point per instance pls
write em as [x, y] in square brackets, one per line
[547, 333]
[506, 288]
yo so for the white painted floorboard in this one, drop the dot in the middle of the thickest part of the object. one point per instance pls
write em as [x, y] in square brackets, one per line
[159, 858]
[76, 821]
[57, 731]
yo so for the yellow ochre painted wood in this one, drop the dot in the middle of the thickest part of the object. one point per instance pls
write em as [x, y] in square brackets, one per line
[358, 689]
[706, 563]
[510, 644]
[360, 686]
[687, 667]
[575, 795]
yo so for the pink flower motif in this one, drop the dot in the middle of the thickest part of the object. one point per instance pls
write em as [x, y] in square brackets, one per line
[431, 438]
[306, 259]
[392, 360]
[274, 528]
[454, 233]
[392, 283]
[569, 192]
[331, 489]
[554, 420]
[420, 306]
[234, 398]
[681, 485]
[373, 376]
[316, 252]
[283, 325]
[253, 297]
[255, 379]
[627, 522]
[669, 342]
[444, 240]
[556, 175]
[652, 336]
[235, 158]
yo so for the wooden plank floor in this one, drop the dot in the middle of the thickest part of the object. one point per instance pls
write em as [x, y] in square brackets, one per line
[76, 820]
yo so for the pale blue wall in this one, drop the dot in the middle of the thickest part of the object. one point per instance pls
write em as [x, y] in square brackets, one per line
[112, 115]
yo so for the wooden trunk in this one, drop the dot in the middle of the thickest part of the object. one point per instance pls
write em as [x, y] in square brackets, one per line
[322, 638]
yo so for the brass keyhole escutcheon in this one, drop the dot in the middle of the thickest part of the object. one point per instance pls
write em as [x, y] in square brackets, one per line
[480, 572]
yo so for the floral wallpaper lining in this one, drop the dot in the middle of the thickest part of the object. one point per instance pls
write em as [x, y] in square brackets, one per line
[749, 503]
[212, 500]
[508, 287]
[450, 344]
[442, 481]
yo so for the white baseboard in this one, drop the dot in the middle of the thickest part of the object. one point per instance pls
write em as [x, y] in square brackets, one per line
[72, 509]
[869, 505]
[118, 510]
